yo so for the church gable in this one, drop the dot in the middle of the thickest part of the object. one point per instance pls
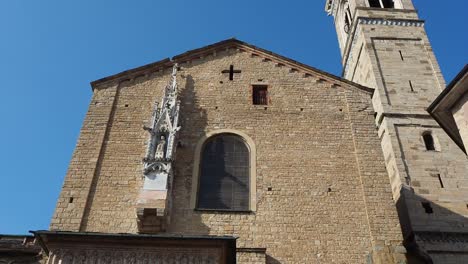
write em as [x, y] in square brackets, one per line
[219, 49]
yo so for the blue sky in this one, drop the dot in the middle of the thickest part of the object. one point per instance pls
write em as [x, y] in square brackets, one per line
[50, 51]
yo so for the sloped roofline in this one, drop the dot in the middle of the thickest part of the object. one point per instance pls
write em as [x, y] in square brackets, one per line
[228, 43]
[441, 108]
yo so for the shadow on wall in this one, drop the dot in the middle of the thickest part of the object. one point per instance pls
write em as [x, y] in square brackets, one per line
[271, 260]
[193, 120]
[438, 226]
[97, 173]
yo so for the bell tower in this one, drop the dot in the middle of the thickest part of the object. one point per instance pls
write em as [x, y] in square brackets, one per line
[384, 45]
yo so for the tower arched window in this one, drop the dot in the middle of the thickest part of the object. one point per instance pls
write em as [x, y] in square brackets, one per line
[382, 3]
[224, 176]
[429, 141]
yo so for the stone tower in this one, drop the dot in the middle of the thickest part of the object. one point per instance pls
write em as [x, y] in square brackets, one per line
[384, 46]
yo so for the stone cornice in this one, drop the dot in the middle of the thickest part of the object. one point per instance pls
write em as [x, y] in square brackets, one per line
[390, 22]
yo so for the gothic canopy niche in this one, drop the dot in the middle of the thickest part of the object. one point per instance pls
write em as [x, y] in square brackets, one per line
[153, 202]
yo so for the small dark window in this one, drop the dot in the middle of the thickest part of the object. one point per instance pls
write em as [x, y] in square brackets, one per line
[224, 174]
[260, 94]
[429, 141]
[427, 207]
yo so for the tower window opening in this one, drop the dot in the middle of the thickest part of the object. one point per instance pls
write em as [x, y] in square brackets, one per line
[382, 3]
[427, 207]
[374, 3]
[429, 141]
[388, 4]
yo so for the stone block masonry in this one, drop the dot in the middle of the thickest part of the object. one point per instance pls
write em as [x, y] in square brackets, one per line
[322, 188]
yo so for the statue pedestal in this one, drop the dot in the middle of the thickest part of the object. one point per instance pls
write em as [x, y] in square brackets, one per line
[152, 211]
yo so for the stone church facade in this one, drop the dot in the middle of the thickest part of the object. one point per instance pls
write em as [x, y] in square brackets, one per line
[317, 179]
[234, 154]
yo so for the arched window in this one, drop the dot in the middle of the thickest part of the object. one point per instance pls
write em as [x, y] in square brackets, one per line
[388, 3]
[429, 141]
[224, 177]
[382, 3]
[374, 3]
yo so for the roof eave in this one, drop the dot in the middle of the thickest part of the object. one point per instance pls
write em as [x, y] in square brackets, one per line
[441, 108]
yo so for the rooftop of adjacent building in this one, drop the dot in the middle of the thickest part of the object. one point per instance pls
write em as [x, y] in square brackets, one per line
[441, 108]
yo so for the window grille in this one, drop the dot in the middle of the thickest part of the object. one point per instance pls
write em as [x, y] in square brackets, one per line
[260, 95]
[224, 174]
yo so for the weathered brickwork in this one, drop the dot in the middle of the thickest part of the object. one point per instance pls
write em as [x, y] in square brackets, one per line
[84, 164]
[252, 257]
[322, 189]
[388, 49]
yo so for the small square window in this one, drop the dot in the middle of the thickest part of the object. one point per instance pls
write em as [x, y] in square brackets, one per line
[260, 95]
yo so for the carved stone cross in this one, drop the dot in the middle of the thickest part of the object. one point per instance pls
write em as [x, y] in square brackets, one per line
[231, 72]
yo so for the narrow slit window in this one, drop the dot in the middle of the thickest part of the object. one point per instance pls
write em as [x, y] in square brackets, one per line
[411, 86]
[260, 95]
[429, 141]
[440, 181]
[427, 207]
[401, 55]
